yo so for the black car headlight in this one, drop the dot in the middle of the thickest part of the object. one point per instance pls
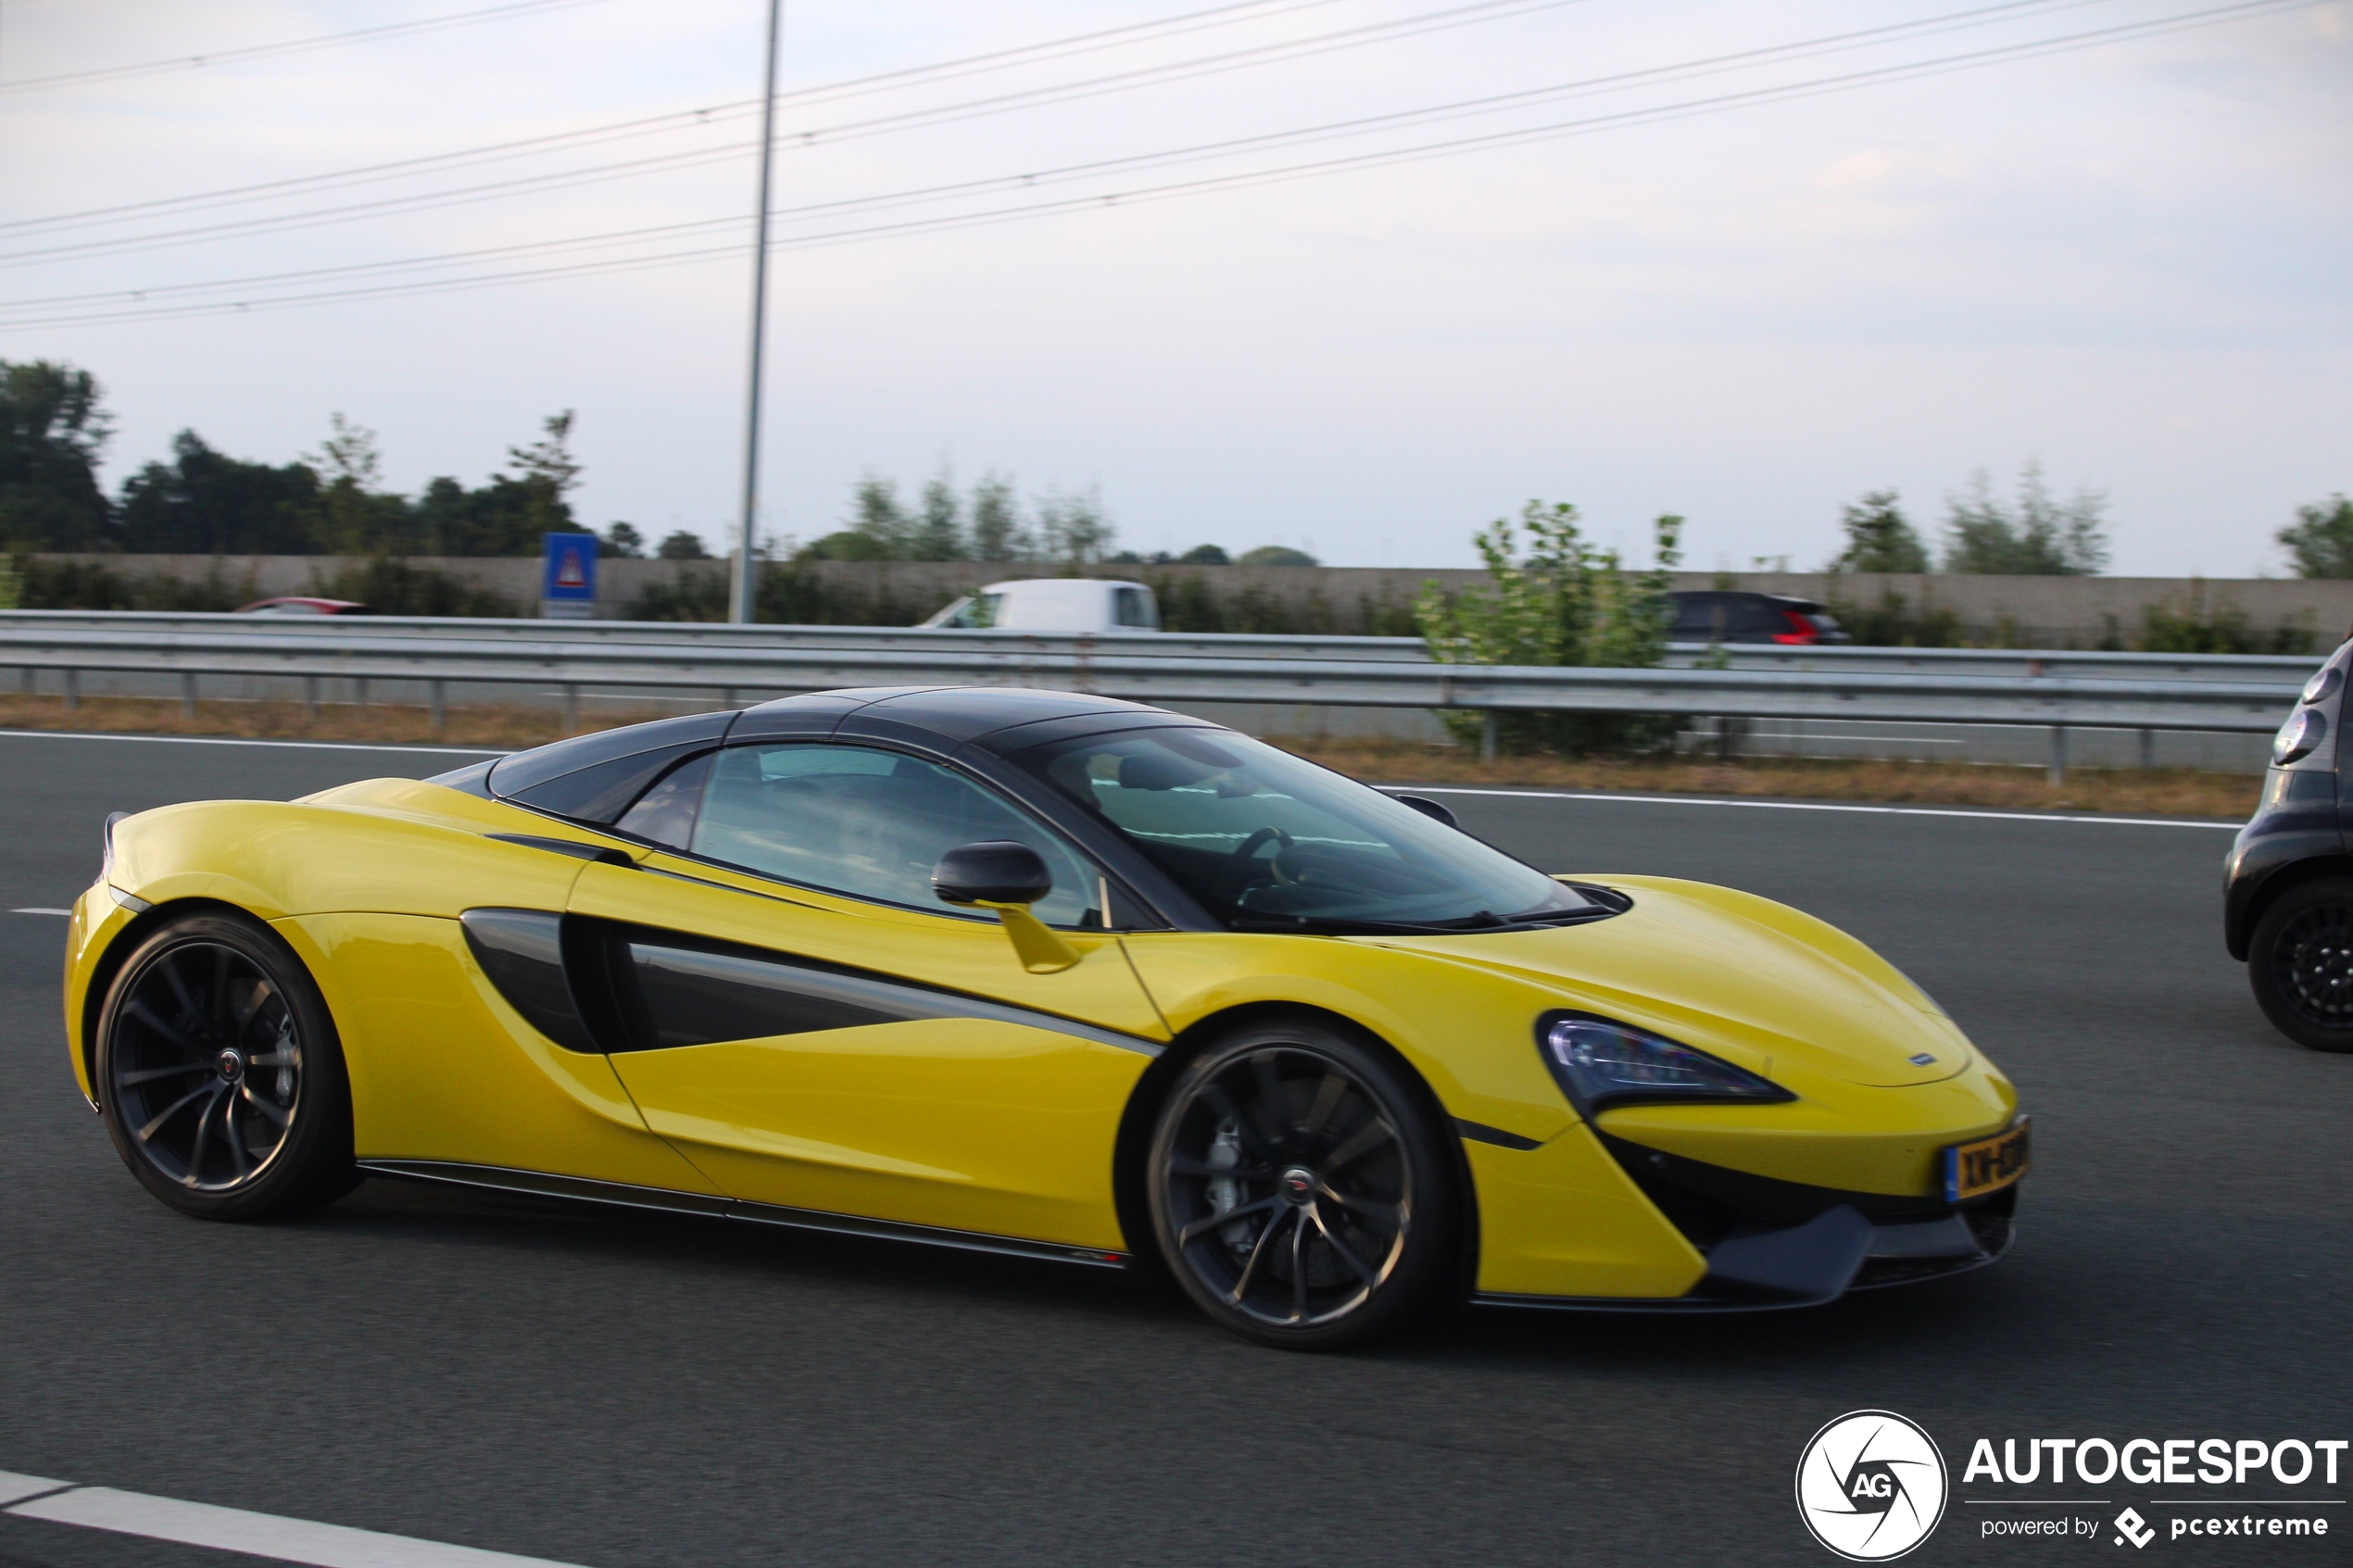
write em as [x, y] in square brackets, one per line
[1599, 1062]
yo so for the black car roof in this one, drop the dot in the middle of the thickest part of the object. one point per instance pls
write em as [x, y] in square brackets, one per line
[569, 777]
[947, 716]
[1787, 601]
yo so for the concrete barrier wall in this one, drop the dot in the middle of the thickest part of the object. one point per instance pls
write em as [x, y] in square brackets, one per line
[1989, 612]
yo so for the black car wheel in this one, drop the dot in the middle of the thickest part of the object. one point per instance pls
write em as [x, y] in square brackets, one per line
[220, 1073]
[2301, 964]
[1301, 1191]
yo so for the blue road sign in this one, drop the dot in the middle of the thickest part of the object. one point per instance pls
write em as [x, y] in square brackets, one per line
[569, 576]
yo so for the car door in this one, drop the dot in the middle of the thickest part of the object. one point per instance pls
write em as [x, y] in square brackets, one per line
[797, 1014]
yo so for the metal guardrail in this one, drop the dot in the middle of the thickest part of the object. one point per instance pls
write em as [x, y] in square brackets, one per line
[1121, 669]
[692, 634]
[2032, 662]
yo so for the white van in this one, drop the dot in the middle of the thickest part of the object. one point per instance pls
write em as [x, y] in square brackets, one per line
[1056, 604]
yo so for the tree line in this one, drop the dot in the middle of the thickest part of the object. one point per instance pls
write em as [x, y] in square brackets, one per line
[200, 500]
[990, 524]
[54, 428]
[2038, 535]
[2035, 536]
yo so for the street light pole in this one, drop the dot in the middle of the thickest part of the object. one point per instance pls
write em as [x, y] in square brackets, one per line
[744, 586]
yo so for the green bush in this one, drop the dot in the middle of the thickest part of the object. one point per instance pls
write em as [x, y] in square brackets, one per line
[1895, 622]
[688, 596]
[1189, 602]
[391, 586]
[1566, 602]
[100, 585]
[2199, 627]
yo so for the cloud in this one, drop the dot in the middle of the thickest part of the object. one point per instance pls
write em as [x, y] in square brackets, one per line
[2128, 260]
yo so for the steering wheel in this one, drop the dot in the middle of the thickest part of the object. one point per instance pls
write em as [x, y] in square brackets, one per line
[1236, 866]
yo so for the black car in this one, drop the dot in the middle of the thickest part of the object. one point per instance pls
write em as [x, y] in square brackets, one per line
[2287, 902]
[1723, 616]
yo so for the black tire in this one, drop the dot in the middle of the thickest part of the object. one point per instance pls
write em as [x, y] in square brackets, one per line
[220, 1073]
[2300, 964]
[1330, 1159]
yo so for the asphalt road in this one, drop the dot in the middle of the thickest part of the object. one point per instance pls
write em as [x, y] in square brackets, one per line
[614, 1390]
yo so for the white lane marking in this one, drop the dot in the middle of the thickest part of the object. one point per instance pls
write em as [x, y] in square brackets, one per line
[35, 911]
[1811, 806]
[256, 1535]
[234, 740]
[16, 1488]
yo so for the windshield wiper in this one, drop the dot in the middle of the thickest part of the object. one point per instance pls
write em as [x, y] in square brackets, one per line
[1342, 925]
[1546, 917]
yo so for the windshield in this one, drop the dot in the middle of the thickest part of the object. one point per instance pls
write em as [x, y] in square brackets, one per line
[1268, 842]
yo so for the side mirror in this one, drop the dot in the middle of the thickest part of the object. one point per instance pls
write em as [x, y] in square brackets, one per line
[996, 870]
[1428, 808]
[1007, 876]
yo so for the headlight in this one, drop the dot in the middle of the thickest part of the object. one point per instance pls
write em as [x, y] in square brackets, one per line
[2323, 683]
[1599, 1062]
[2305, 730]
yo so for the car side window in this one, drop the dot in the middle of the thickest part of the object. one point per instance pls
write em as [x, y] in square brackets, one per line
[1134, 606]
[1700, 617]
[869, 823]
[975, 611]
[666, 812]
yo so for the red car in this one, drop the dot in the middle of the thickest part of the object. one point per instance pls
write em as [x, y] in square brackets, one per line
[299, 604]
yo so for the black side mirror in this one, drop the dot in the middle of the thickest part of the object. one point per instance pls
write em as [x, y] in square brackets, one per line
[1428, 808]
[997, 870]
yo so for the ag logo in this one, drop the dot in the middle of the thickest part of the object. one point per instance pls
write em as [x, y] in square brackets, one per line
[1871, 1486]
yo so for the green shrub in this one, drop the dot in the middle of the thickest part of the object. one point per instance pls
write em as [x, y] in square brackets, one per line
[1895, 623]
[1566, 602]
[391, 586]
[2199, 627]
[82, 584]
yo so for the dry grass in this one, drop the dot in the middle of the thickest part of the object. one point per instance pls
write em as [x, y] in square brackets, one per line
[2168, 792]
[494, 726]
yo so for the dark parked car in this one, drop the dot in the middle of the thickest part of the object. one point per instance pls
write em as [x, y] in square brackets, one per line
[1718, 616]
[2287, 902]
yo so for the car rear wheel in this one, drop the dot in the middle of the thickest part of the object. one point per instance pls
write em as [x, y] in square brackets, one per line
[220, 1073]
[2300, 964]
[1301, 1191]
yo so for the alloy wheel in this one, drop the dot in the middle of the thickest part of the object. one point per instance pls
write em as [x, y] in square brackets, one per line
[1287, 1190]
[207, 1067]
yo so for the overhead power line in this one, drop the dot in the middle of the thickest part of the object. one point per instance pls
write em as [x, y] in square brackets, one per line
[695, 157]
[1321, 43]
[1359, 126]
[294, 46]
[882, 82]
[1821, 86]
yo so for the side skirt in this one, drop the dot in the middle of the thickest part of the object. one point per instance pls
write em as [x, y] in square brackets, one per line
[621, 1195]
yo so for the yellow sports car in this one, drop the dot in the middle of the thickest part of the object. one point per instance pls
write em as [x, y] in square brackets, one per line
[1035, 973]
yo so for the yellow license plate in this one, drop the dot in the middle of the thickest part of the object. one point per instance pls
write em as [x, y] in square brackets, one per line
[1972, 1169]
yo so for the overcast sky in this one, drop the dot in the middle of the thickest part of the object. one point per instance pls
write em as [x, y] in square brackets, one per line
[2128, 260]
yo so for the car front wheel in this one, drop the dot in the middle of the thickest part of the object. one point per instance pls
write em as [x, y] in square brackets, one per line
[220, 1073]
[1300, 1189]
[2300, 964]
